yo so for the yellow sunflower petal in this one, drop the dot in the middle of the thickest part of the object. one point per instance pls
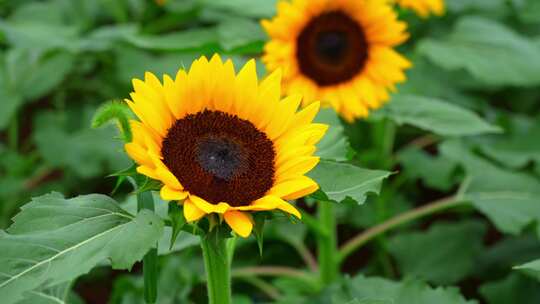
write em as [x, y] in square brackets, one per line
[296, 167]
[294, 188]
[191, 212]
[148, 171]
[239, 222]
[270, 202]
[138, 154]
[207, 207]
[170, 194]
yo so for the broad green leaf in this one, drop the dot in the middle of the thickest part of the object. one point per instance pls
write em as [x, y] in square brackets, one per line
[86, 152]
[459, 6]
[36, 74]
[363, 288]
[334, 145]
[29, 34]
[133, 63]
[507, 253]
[238, 32]
[506, 58]
[515, 148]
[435, 115]
[177, 275]
[510, 199]
[515, 288]
[53, 295]
[54, 239]
[11, 101]
[531, 268]
[371, 301]
[448, 251]
[434, 171]
[429, 80]
[192, 39]
[528, 10]
[341, 180]
[248, 8]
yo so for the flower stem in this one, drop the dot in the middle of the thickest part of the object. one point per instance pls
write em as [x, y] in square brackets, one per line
[217, 265]
[146, 201]
[366, 236]
[327, 243]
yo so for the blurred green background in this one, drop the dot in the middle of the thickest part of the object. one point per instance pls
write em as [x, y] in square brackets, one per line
[61, 59]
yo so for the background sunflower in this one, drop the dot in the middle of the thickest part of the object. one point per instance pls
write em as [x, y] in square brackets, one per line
[339, 52]
[423, 7]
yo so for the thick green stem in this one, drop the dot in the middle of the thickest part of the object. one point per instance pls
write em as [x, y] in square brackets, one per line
[327, 243]
[217, 265]
[366, 236]
[146, 201]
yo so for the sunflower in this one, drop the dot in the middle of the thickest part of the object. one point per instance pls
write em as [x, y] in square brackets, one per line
[222, 142]
[423, 8]
[337, 51]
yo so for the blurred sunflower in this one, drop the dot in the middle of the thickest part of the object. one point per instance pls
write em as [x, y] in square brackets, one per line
[423, 8]
[337, 51]
[224, 143]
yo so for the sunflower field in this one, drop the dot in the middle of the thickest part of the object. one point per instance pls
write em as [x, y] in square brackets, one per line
[270, 151]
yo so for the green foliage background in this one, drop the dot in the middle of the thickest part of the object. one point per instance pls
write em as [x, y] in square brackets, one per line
[466, 126]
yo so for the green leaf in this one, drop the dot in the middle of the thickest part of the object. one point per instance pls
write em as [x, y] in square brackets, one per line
[528, 10]
[192, 39]
[86, 152]
[531, 268]
[507, 253]
[503, 59]
[341, 180]
[114, 110]
[410, 291]
[248, 8]
[435, 171]
[458, 6]
[54, 239]
[133, 63]
[434, 115]
[238, 32]
[36, 76]
[508, 198]
[29, 34]
[334, 145]
[514, 149]
[514, 288]
[448, 251]
[53, 295]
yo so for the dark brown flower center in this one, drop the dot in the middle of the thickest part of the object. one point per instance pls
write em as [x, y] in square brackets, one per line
[220, 157]
[331, 49]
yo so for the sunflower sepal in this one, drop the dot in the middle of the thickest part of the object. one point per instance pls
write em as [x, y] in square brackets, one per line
[178, 221]
[211, 224]
[259, 220]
